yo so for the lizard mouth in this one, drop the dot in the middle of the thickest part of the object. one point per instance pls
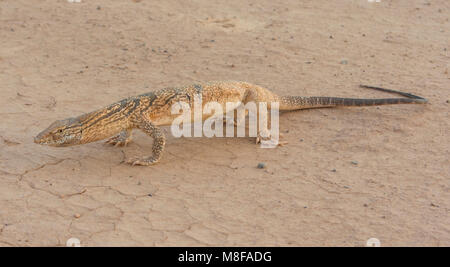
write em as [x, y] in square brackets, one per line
[41, 141]
[54, 143]
[37, 140]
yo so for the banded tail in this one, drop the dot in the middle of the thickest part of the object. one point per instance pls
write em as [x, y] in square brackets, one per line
[298, 102]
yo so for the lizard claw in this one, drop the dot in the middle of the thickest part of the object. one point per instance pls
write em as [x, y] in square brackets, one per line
[118, 140]
[142, 161]
[263, 136]
[265, 139]
[282, 143]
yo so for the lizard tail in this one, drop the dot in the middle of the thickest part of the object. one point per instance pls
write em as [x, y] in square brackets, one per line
[298, 102]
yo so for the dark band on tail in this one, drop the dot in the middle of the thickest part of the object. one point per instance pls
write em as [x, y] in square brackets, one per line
[408, 95]
[296, 102]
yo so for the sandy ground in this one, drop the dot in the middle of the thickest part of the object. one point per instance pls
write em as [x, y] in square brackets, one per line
[346, 175]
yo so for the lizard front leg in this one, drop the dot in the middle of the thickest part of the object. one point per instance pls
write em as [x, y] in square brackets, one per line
[122, 139]
[159, 141]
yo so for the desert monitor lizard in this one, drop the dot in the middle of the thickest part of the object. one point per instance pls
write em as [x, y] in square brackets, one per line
[148, 111]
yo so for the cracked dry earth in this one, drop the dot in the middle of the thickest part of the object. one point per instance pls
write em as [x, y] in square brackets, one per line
[346, 175]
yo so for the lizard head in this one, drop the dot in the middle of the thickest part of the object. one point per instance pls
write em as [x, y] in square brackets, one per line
[66, 132]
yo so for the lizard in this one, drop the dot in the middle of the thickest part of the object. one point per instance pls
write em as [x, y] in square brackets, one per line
[150, 110]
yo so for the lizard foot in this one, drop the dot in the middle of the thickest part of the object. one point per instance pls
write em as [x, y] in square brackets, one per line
[265, 138]
[119, 140]
[142, 161]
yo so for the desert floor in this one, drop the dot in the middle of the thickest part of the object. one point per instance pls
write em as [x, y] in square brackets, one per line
[346, 174]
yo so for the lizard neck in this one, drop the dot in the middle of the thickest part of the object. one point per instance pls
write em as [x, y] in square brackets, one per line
[104, 123]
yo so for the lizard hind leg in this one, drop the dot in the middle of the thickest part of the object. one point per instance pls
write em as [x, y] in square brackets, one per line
[159, 141]
[122, 139]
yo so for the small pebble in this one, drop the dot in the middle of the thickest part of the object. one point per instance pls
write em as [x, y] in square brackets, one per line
[77, 215]
[301, 139]
[150, 195]
[333, 170]
[344, 62]
[261, 165]
[354, 162]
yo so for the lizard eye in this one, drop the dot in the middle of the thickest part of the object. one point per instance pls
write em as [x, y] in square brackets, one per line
[60, 131]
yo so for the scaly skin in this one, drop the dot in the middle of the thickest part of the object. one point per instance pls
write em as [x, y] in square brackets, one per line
[148, 111]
